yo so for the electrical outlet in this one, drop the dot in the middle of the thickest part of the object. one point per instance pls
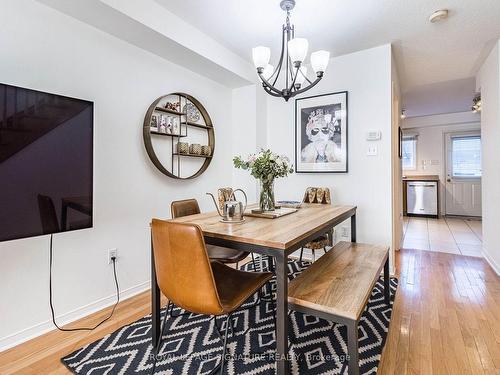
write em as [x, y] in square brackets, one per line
[112, 253]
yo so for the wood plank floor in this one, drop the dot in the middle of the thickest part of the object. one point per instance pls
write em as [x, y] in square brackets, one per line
[446, 320]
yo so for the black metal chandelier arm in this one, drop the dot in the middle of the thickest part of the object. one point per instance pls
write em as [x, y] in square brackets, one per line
[292, 86]
[268, 85]
[308, 87]
[278, 68]
[272, 93]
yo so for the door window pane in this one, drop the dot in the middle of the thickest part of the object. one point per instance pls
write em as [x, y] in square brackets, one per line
[466, 156]
[409, 152]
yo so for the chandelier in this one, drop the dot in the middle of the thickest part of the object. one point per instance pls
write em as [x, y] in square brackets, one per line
[291, 62]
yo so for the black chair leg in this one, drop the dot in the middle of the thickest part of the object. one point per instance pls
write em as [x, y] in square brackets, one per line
[159, 340]
[301, 253]
[223, 362]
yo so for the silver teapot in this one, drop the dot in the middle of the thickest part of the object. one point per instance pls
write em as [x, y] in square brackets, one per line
[232, 210]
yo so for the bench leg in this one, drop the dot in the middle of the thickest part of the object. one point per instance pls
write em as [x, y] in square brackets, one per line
[387, 287]
[352, 348]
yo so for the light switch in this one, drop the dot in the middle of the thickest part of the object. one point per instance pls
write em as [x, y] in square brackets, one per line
[372, 151]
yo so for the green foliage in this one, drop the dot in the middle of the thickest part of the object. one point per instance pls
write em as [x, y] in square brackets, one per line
[265, 166]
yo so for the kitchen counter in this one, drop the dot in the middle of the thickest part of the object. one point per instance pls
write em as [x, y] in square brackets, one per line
[421, 178]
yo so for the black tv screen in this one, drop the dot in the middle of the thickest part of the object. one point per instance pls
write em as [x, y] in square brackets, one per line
[46, 163]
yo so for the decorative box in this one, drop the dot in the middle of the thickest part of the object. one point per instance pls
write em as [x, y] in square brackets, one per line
[195, 149]
[183, 147]
[206, 150]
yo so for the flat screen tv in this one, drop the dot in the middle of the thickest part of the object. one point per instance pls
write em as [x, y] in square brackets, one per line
[46, 163]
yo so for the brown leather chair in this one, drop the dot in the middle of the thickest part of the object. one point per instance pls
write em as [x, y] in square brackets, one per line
[221, 254]
[188, 278]
[319, 195]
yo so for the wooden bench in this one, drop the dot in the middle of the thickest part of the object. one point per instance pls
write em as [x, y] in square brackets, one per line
[338, 285]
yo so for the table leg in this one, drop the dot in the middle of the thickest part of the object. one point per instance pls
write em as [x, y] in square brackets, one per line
[353, 228]
[387, 290]
[352, 347]
[155, 302]
[282, 314]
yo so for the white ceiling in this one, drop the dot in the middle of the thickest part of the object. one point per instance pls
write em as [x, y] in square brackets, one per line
[425, 53]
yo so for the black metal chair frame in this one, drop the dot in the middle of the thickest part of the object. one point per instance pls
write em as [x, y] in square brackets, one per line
[220, 366]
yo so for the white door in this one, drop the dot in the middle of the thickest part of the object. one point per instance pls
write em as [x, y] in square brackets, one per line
[463, 174]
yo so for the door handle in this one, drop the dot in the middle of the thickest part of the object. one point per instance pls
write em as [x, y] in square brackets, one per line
[448, 179]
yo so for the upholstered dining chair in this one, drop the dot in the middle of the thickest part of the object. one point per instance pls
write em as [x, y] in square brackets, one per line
[222, 254]
[188, 278]
[319, 195]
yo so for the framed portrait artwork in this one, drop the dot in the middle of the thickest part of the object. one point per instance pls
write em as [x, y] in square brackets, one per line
[321, 133]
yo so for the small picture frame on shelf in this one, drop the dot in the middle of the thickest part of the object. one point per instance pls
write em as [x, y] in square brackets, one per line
[169, 125]
[154, 124]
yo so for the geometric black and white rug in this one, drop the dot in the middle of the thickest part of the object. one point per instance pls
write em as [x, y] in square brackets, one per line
[191, 344]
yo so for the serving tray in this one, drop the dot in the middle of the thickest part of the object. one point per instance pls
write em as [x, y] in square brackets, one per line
[271, 214]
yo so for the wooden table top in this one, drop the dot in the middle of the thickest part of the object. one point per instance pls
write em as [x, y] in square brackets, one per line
[280, 233]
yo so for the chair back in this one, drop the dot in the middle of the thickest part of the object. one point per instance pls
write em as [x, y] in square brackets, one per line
[183, 270]
[224, 194]
[185, 207]
[48, 215]
[317, 195]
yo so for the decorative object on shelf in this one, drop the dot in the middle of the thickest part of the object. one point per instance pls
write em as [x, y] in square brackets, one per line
[163, 124]
[265, 166]
[206, 150]
[154, 124]
[192, 113]
[195, 149]
[183, 147]
[232, 210]
[175, 126]
[169, 125]
[173, 106]
[476, 103]
[321, 133]
[177, 162]
[293, 52]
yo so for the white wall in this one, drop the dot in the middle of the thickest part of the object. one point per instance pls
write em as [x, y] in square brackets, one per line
[431, 132]
[46, 50]
[55, 53]
[488, 82]
[366, 75]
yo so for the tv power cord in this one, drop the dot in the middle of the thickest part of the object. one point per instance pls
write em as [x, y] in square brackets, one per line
[52, 305]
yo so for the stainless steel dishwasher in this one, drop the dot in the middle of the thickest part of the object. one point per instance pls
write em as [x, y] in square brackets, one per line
[421, 198]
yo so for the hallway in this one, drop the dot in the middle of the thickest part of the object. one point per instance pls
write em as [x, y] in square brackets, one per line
[447, 235]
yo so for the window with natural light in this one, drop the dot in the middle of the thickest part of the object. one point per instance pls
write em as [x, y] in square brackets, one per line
[409, 151]
[466, 156]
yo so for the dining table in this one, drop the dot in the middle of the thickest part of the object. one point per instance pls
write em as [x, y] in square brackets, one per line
[277, 238]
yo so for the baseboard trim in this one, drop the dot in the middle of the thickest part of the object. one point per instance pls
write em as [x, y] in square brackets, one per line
[491, 262]
[29, 333]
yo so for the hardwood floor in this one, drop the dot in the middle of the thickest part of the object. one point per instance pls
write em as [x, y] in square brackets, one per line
[446, 320]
